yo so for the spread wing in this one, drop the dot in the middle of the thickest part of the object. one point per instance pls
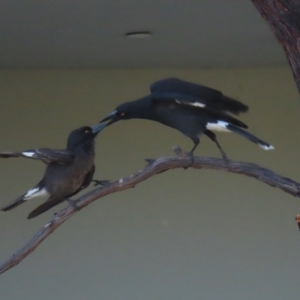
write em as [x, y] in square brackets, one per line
[196, 95]
[45, 154]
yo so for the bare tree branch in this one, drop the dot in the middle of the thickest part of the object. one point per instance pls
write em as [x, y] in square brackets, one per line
[283, 17]
[154, 167]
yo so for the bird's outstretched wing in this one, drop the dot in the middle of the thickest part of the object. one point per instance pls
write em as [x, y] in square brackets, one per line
[47, 155]
[191, 94]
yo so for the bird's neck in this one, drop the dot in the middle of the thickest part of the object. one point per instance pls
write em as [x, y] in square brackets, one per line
[86, 148]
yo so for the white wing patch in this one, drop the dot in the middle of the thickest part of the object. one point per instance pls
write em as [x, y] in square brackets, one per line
[195, 104]
[266, 147]
[35, 192]
[28, 154]
[219, 126]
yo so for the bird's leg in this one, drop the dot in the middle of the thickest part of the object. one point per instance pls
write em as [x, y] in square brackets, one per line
[213, 137]
[101, 182]
[196, 141]
[191, 153]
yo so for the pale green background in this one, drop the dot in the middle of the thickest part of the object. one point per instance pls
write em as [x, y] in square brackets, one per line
[184, 234]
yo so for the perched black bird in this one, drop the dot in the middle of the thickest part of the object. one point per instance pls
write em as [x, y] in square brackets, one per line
[191, 108]
[68, 171]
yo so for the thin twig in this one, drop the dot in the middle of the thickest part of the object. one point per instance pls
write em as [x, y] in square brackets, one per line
[152, 168]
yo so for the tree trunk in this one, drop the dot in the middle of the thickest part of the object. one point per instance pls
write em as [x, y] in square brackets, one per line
[283, 17]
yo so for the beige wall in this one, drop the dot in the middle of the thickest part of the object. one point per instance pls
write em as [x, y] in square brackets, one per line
[180, 235]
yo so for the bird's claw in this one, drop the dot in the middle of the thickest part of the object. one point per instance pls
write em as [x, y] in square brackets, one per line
[149, 160]
[190, 155]
[225, 158]
[101, 182]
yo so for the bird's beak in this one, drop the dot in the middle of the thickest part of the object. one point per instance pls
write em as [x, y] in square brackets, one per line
[111, 118]
[97, 128]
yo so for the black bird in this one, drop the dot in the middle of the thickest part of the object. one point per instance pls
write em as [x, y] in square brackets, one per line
[191, 108]
[68, 170]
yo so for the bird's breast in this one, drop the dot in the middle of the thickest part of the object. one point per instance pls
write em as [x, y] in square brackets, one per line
[63, 180]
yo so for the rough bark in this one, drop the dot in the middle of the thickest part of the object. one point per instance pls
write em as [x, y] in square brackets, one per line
[283, 16]
[154, 167]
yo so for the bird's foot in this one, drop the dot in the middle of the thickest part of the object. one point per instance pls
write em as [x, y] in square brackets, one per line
[73, 203]
[149, 160]
[101, 182]
[224, 156]
[191, 157]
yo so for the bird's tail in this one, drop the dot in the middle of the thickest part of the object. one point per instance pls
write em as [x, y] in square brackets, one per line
[250, 137]
[15, 203]
[38, 190]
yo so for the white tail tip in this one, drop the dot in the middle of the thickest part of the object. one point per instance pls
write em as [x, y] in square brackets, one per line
[266, 147]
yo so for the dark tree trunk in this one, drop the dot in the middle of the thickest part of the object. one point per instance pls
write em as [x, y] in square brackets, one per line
[283, 17]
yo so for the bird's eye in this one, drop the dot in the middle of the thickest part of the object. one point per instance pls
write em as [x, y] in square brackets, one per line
[122, 114]
[87, 131]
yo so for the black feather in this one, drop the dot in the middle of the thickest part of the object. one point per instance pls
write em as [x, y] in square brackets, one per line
[173, 88]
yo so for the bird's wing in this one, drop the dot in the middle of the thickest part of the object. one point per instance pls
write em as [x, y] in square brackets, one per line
[187, 93]
[52, 201]
[88, 178]
[86, 182]
[45, 154]
[188, 101]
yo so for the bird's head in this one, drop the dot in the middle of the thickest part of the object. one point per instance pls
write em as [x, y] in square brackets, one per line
[128, 110]
[83, 134]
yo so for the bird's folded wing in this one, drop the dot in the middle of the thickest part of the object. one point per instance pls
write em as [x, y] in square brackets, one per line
[45, 154]
[194, 95]
[51, 202]
[186, 100]
[88, 178]
[192, 101]
[185, 87]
